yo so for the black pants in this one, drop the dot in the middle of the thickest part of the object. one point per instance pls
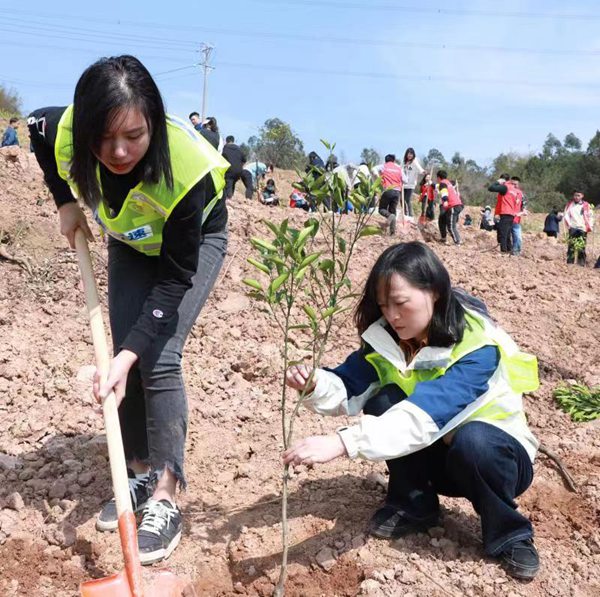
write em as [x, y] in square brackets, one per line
[388, 203]
[551, 234]
[154, 411]
[448, 222]
[483, 463]
[504, 233]
[232, 178]
[408, 210]
[575, 233]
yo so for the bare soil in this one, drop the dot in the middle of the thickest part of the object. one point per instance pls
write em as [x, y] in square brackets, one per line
[53, 469]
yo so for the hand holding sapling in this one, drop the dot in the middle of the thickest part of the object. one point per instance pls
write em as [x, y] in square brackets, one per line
[297, 376]
[316, 448]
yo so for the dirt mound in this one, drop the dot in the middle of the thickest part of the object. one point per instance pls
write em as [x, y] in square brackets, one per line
[53, 469]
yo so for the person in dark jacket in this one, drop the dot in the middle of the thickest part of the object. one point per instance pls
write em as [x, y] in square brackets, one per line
[155, 188]
[210, 131]
[236, 158]
[552, 223]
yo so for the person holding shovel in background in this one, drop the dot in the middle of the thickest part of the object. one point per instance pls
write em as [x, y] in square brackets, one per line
[440, 386]
[450, 208]
[154, 186]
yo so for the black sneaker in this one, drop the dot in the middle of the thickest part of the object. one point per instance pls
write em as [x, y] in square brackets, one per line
[391, 522]
[107, 519]
[521, 559]
[159, 532]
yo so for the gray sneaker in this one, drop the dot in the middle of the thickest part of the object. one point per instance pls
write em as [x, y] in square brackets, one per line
[138, 489]
[159, 532]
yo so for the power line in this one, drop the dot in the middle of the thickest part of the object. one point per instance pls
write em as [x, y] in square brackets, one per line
[186, 45]
[395, 7]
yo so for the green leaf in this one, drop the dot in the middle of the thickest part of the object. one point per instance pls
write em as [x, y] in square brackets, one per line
[277, 282]
[284, 226]
[261, 266]
[329, 312]
[302, 236]
[300, 273]
[253, 284]
[369, 231]
[312, 314]
[341, 244]
[326, 144]
[309, 259]
[263, 244]
[300, 326]
[272, 227]
[326, 265]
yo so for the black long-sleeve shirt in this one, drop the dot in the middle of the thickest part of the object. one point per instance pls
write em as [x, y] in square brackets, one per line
[235, 156]
[182, 233]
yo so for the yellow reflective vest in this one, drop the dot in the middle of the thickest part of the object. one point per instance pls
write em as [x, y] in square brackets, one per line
[148, 206]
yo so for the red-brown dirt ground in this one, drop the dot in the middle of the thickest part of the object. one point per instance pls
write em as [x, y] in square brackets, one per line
[53, 467]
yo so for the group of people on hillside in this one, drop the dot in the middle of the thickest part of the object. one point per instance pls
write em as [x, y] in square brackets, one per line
[250, 173]
[439, 384]
[399, 181]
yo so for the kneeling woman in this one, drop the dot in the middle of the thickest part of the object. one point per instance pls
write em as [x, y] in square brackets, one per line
[154, 186]
[441, 388]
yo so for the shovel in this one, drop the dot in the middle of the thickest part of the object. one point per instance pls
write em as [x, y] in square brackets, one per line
[130, 582]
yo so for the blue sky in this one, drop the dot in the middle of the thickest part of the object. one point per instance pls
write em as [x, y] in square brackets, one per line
[481, 77]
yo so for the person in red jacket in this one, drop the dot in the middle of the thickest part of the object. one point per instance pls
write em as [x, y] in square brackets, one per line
[507, 202]
[579, 221]
[427, 189]
[450, 207]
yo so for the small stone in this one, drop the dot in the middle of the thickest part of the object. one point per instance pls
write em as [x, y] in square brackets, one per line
[8, 462]
[370, 587]
[15, 502]
[358, 541]
[85, 479]
[57, 490]
[326, 558]
[251, 571]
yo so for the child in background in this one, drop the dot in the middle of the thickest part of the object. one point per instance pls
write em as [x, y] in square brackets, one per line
[269, 194]
[427, 190]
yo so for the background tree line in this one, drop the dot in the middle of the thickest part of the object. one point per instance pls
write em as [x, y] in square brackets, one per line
[548, 178]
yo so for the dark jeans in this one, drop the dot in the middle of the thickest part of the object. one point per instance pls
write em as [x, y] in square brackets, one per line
[388, 203]
[505, 233]
[551, 234]
[154, 412]
[448, 222]
[482, 463]
[408, 210]
[581, 256]
[232, 178]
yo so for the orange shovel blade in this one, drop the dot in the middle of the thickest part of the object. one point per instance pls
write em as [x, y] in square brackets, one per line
[116, 585]
[159, 584]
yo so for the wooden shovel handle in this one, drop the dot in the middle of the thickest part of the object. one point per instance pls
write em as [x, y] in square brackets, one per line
[118, 468]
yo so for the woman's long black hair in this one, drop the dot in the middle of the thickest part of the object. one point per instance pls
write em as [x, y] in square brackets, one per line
[421, 268]
[409, 150]
[103, 88]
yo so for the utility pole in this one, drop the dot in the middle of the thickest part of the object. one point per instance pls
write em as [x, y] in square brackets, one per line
[206, 50]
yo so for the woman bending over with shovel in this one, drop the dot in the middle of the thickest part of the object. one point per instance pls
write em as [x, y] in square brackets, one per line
[440, 386]
[154, 187]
